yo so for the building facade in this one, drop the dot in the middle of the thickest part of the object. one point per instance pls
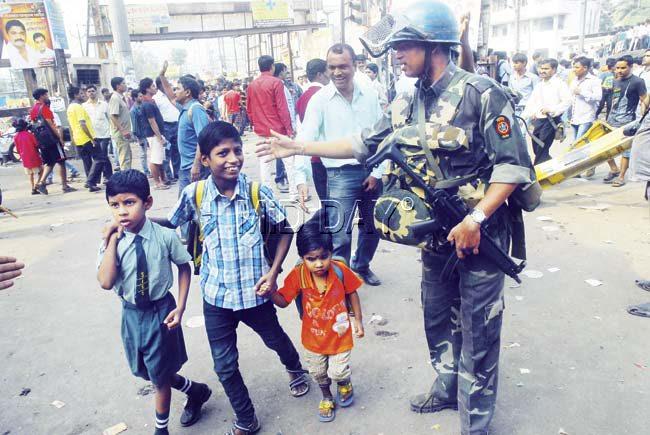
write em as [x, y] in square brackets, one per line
[542, 24]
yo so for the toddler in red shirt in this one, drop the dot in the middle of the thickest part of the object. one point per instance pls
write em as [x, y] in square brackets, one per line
[326, 331]
[27, 147]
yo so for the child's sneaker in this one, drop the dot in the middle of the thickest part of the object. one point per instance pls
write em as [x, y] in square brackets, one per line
[192, 411]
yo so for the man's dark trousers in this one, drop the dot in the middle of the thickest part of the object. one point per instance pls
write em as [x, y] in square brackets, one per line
[93, 161]
[319, 174]
[344, 190]
[221, 327]
[170, 131]
[545, 132]
[104, 144]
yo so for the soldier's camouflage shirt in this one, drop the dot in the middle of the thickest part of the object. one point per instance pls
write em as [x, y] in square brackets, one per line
[497, 148]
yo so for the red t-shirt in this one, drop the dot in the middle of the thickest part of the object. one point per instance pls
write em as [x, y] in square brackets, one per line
[28, 149]
[47, 113]
[232, 100]
[301, 108]
[267, 106]
[325, 325]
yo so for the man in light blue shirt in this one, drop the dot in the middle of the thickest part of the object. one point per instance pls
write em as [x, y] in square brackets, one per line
[522, 81]
[192, 119]
[344, 108]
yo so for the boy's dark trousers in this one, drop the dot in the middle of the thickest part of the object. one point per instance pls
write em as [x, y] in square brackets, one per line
[221, 326]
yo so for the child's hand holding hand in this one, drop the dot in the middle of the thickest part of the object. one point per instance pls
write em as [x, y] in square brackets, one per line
[174, 318]
[266, 285]
[358, 327]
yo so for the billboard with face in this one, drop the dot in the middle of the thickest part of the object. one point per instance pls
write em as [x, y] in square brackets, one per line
[26, 35]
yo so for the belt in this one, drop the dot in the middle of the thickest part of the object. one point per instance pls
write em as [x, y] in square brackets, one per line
[170, 123]
[150, 306]
[347, 168]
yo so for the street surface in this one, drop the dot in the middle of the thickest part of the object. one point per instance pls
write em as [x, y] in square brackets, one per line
[572, 360]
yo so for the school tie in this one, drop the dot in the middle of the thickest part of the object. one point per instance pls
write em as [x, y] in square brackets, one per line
[142, 281]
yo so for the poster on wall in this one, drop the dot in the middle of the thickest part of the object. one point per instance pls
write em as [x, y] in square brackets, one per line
[271, 13]
[57, 25]
[27, 41]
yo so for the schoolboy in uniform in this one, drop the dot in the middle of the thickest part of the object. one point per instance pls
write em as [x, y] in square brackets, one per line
[233, 267]
[135, 260]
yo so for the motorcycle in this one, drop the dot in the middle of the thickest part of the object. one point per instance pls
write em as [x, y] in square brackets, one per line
[8, 151]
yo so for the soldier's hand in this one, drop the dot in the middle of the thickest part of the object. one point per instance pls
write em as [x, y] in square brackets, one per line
[278, 146]
[370, 184]
[303, 194]
[9, 270]
[465, 237]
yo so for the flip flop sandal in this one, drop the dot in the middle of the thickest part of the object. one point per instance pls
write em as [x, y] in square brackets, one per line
[643, 284]
[641, 310]
[326, 410]
[253, 428]
[344, 395]
[296, 383]
[610, 177]
[618, 183]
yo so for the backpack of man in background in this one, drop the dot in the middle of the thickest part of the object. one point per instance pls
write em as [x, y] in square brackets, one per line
[44, 135]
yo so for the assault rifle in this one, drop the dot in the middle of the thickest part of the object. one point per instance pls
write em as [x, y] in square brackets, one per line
[448, 210]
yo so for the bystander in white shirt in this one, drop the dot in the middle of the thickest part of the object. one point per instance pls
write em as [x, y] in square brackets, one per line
[98, 113]
[587, 93]
[552, 95]
[168, 110]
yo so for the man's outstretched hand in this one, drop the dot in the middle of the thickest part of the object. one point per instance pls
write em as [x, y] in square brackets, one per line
[278, 146]
[9, 270]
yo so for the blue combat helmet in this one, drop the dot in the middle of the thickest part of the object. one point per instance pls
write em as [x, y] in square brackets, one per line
[423, 21]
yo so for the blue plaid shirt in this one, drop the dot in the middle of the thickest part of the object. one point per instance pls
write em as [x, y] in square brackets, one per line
[233, 256]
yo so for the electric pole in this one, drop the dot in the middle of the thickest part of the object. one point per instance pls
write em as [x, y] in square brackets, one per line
[517, 24]
[583, 25]
[121, 39]
[342, 18]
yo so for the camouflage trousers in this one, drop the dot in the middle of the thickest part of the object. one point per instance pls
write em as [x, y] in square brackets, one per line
[462, 322]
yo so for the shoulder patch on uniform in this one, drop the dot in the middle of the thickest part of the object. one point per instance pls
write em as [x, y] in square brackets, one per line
[502, 127]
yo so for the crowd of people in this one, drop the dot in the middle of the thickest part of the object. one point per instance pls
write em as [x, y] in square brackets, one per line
[323, 130]
[552, 93]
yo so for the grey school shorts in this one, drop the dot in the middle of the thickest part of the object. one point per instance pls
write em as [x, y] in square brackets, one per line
[153, 352]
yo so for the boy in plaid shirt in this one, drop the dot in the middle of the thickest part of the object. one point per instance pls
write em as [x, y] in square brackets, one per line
[233, 267]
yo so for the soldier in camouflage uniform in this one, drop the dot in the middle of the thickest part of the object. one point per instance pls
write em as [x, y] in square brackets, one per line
[470, 128]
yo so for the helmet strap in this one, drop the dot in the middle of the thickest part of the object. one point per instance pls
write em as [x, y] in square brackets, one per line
[427, 74]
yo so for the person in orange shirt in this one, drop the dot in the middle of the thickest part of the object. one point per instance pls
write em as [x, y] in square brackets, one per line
[326, 334]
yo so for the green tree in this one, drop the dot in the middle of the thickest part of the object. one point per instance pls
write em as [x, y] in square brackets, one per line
[630, 12]
[179, 55]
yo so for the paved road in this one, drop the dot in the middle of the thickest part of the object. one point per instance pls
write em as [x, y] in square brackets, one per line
[572, 358]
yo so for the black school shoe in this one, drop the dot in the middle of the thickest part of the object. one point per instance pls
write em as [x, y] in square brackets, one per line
[192, 411]
[368, 276]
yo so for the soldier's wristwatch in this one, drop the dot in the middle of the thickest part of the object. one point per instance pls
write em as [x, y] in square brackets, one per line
[477, 216]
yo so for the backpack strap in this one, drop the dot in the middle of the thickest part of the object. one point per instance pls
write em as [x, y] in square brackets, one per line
[198, 199]
[339, 272]
[302, 272]
[254, 191]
